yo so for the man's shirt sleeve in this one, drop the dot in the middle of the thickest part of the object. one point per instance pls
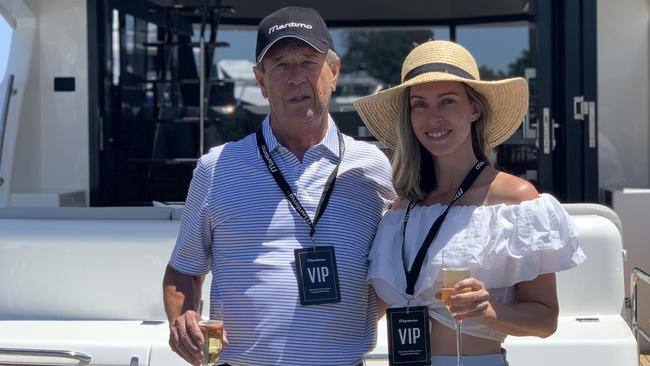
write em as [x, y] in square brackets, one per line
[192, 253]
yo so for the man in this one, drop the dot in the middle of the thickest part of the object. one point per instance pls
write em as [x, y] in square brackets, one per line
[284, 219]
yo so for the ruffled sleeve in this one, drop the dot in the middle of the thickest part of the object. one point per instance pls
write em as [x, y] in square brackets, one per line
[530, 239]
[501, 244]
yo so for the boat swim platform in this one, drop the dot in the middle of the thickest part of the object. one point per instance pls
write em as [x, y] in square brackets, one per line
[644, 359]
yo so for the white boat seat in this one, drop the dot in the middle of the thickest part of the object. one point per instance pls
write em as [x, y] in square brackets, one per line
[594, 209]
[591, 330]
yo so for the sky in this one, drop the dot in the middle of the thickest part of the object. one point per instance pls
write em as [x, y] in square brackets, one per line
[494, 46]
[5, 39]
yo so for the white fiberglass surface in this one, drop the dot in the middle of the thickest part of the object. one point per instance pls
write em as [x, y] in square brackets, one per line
[106, 342]
[78, 268]
[63, 115]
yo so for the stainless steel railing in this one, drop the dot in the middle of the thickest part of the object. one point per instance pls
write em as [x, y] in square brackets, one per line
[4, 116]
[636, 275]
[74, 355]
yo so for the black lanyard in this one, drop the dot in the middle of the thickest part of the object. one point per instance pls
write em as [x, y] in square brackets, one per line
[414, 273]
[286, 188]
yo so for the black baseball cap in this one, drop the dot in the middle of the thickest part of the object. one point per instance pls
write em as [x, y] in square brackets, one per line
[304, 24]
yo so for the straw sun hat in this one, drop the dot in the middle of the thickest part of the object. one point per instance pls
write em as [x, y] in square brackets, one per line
[445, 61]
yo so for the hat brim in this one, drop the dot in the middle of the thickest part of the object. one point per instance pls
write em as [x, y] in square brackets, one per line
[315, 44]
[507, 98]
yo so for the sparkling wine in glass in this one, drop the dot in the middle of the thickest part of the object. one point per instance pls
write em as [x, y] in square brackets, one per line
[452, 273]
[212, 331]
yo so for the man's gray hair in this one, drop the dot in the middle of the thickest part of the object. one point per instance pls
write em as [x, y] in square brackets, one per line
[330, 60]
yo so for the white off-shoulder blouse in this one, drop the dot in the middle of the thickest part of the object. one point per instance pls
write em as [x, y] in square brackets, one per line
[501, 244]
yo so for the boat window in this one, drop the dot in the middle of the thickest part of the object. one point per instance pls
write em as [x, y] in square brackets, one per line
[5, 43]
[503, 51]
[152, 115]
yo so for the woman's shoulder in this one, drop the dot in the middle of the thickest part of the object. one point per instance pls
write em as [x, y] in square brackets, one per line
[399, 203]
[510, 190]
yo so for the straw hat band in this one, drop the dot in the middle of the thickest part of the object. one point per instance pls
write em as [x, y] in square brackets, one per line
[438, 67]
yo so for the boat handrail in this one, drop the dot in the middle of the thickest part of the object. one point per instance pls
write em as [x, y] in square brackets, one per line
[636, 275]
[5, 116]
[79, 356]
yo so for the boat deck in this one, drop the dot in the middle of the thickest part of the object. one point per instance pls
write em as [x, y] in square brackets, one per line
[644, 359]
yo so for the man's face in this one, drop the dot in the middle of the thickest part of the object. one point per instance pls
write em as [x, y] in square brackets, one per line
[297, 82]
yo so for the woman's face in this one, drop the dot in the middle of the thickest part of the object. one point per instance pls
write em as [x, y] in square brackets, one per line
[441, 116]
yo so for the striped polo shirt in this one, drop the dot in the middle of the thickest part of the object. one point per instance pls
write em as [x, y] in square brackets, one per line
[238, 224]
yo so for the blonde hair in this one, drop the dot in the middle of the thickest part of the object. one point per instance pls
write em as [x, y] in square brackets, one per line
[413, 173]
[480, 140]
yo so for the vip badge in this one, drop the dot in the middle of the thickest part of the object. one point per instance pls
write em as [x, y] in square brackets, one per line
[318, 280]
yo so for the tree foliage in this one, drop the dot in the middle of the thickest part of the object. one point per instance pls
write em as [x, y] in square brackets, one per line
[380, 53]
[515, 68]
[518, 67]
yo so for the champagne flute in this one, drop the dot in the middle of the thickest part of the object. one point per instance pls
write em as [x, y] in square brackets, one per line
[212, 330]
[452, 273]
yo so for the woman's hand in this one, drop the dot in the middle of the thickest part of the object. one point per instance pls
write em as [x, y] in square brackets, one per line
[472, 300]
[533, 314]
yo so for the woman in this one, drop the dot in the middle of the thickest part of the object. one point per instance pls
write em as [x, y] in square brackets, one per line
[441, 122]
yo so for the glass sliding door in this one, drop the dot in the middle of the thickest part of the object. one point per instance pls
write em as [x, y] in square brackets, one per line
[566, 80]
[145, 128]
